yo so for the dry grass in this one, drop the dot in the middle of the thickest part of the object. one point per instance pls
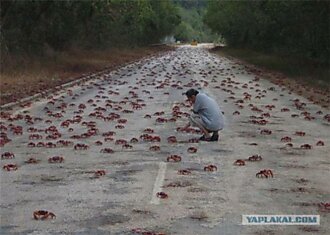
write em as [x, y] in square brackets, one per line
[22, 77]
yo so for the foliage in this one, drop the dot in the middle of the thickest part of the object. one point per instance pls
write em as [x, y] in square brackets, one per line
[31, 25]
[192, 26]
[300, 28]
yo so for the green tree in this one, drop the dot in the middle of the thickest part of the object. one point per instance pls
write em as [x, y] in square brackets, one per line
[27, 26]
[300, 28]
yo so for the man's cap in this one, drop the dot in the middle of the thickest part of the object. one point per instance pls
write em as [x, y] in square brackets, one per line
[190, 92]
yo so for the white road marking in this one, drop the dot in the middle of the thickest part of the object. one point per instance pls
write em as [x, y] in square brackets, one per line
[158, 183]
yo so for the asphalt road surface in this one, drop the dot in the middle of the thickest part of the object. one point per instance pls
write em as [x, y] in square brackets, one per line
[103, 181]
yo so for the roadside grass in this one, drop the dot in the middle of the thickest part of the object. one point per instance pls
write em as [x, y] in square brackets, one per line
[301, 70]
[22, 76]
[306, 78]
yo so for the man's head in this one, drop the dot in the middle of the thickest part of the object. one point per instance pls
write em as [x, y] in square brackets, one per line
[191, 95]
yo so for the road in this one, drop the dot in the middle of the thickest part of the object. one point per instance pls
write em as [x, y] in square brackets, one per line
[120, 105]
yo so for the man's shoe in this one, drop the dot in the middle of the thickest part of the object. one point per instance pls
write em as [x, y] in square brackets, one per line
[215, 137]
[203, 138]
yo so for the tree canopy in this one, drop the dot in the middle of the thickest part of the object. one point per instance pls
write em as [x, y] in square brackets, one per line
[192, 26]
[30, 25]
[299, 28]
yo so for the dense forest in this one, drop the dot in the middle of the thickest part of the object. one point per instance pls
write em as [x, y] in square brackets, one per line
[298, 28]
[30, 26]
[191, 26]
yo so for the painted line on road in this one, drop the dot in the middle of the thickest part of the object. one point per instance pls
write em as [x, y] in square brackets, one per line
[158, 183]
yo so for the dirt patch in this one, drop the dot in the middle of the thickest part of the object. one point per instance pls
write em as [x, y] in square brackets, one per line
[305, 204]
[109, 219]
[199, 216]
[309, 229]
[298, 190]
[120, 163]
[35, 75]
[262, 232]
[144, 212]
[178, 184]
[292, 166]
[301, 181]
[197, 190]
[222, 151]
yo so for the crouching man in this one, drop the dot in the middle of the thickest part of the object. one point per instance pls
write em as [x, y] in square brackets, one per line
[207, 115]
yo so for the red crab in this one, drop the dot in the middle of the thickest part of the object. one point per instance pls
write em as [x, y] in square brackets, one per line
[174, 158]
[146, 137]
[98, 143]
[121, 142]
[306, 146]
[324, 206]
[210, 168]
[266, 115]
[35, 137]
[107, 150]
[32, 129]
[42, 215]
[265, 173]
[255, 158]
[108, 139]
[161, 120]
[136, 106]
[156, 138]
[172, 139]
[162, 195]
[40, 144]
[81, 147]
[109, 133]
[327, 117]
[134, 140]
[64, 143]
[320, 143]
[286, 139]
[148, 130]
[159, 113]
[17, 131]
[239, 162]
[119, 126]
[127, 146]
[50, 145]
[192, 150]
[122, 121]
[32, 161]
[99, 173]
[184, 172]
[154, 148]
[7, 155]
[265, 132]
[10, 167]
[300, 133]
[56, 159]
